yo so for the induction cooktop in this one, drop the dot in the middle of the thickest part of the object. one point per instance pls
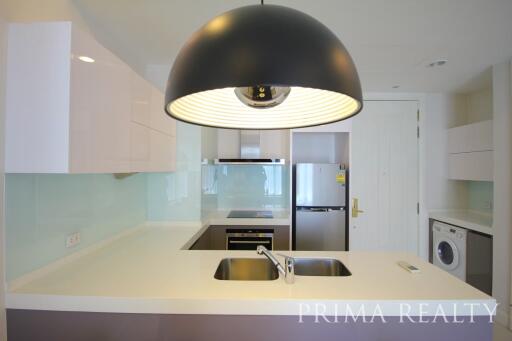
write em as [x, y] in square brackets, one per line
[250, 214]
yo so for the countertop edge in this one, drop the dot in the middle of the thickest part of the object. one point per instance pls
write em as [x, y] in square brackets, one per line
[280, 307]
[444, 216]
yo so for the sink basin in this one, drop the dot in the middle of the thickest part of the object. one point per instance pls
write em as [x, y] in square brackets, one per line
[320, 267]
[246, 269]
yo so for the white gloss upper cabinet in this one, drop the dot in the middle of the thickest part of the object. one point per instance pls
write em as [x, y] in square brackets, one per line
[148, 107]
[65, 115]
[100, 109]
[470, 150]
[159, 120]
[228, 143]
[475, 137]
[274, 144]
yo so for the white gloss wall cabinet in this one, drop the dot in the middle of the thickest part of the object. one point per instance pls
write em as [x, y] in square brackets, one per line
[476, 166]
[274, 144]
[470, 150]
[152, 131]
[228, 143]
[476, 137]
[69, 114]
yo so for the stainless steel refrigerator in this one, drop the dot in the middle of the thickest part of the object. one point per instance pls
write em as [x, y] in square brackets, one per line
[320, 216]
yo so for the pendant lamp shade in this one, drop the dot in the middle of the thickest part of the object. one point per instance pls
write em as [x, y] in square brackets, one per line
[263, 67]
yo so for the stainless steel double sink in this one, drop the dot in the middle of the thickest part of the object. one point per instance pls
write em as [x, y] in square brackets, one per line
[261, 269]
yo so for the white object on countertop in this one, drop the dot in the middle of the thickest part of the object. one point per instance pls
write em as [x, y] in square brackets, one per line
[146, 272]
[471, 220]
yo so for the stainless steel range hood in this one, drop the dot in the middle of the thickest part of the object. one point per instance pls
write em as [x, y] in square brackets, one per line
[250, 151]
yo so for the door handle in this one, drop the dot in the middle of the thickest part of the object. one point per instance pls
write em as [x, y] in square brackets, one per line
[355, 208]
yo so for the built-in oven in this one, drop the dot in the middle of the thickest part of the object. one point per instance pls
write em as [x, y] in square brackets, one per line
[249, 238]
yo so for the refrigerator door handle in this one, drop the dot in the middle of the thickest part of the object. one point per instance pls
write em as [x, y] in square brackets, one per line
[313, 209]
[320, 209]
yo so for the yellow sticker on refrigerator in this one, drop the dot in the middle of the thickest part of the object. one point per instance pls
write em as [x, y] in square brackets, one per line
[340, 178]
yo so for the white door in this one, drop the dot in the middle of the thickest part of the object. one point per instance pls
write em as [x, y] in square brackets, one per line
[384, 177]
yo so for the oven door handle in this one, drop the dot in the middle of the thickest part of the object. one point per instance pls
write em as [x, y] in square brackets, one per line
[249, 241]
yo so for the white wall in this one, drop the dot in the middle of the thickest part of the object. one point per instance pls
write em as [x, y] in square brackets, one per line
[158, 74]
[442, 111]
[3, 41]
[502, 215]
[479, 106]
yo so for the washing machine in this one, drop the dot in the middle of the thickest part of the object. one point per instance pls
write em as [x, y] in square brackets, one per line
[449, 249]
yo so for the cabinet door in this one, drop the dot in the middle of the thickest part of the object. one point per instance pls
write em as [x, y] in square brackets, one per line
[37, 98]
[474, 137]
[228, 143]
[100, 109]
[141, 92]
[274, 144]
[162, 152]
[159, 119]
[477, 166]
[140, 147]
[151, 150]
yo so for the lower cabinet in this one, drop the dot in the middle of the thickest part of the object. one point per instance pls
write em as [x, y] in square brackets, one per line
[39, 325]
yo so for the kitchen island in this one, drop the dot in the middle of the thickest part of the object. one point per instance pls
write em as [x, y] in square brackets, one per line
[147, 286]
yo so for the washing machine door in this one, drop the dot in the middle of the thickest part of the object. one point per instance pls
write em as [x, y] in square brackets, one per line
[447, 254]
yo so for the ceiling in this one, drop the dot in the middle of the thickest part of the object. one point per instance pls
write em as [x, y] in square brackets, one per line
[391, 41]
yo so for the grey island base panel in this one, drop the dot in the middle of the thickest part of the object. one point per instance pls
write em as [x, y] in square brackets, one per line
[32, 325]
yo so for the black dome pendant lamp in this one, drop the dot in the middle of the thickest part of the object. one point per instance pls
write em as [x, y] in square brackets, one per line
[263, 67]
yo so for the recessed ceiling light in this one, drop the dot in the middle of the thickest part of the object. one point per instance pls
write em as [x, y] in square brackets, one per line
[86, 59]
[438, 62]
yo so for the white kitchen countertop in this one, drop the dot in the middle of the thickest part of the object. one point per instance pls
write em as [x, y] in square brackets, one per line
[147, 272]
[471, 220]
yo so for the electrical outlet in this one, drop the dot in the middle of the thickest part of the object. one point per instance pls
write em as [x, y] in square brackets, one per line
[488, 204]
[73, 239]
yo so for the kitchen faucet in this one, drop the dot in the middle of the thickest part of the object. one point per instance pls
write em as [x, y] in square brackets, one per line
[287, 271]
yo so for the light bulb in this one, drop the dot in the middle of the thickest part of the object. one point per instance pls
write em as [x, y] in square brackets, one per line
[262, 96]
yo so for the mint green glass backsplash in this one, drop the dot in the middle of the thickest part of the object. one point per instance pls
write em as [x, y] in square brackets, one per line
[480, 195]
[43, 209]
[246, 187]
[177, 196]
[209, 198]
